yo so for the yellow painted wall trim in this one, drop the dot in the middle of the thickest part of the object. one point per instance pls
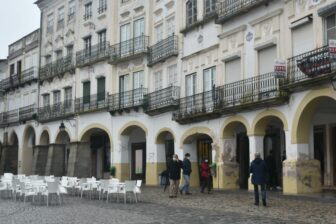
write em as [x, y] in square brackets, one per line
[123, 130]
[261, 120]
[231, 123]
[305, 112]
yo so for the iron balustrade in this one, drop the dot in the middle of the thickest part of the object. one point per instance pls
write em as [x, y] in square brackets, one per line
[163, 50]
[28, 75]
[252, 90]
[199, 104]
[162, 98]
[226, 9]
[102, 8]
[87, 16]
[129, 48]
[27, 113]
[127, 99]
[56, 111]
[10, 117]
[12, 81]
[58, 67]
[91, 103]
[93, 54]
[310, 65]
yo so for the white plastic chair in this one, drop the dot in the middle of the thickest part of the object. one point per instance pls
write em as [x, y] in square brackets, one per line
[113, 188]
[103, 188]
[137, 189]
[129, 187]
[52, 188]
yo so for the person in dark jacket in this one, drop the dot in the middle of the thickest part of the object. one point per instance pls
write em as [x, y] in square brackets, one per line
[186, 174]
[174, 175]
[205, 176]
[258, 170]
[271, 171]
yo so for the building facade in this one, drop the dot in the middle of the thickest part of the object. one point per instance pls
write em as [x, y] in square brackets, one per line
[128, 83]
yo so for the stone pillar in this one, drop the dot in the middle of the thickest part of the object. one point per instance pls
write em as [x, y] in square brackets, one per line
[40, 159]
[227, 168]
[9, 159]
[56, 160]
[156, 163]
[301, 173]
[191, 149]
[79, 163]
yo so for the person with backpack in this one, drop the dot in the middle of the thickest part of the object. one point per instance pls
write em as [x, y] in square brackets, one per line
[186, 174]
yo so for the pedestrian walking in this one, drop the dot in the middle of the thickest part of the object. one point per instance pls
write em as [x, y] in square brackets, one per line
[271, 171]
[205, 175]
[174, 176]
[258, 170]
[186, 174]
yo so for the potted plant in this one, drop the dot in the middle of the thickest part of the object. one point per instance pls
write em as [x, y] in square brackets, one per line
[213, 169]
[112, 171]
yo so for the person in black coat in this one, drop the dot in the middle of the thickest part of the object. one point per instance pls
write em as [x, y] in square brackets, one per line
[258, 170]
[175, 167]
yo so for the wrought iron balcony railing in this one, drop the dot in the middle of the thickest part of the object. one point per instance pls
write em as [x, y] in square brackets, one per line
[102, 8]
[310, 67]
[258, 90]
[28, 75]
[162, 100]
[91, 103]
[9, 117]
[127, 100]
[87, 16]
[129, 49]
[226, 9]
[163, 50]
[10, 82]
[59, 67]
[28, 112]
[56, 111]
[94, 54]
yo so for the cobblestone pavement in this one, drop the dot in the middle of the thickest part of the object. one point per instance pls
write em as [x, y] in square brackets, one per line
[155, 207]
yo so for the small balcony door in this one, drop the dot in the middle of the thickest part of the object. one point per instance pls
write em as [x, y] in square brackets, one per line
[86, 95]
[190, 91]
[125, 36]
[209, 96]
[101, 92]
[124, 98]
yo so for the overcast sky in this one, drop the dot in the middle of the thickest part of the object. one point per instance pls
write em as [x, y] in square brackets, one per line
[17, 19]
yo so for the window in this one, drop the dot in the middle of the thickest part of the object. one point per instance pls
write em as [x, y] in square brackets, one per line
[125, 34]
[47, 59]
[60, 20]
[123, 83]
[209, 76]
[68, 94]
[69, 50]
[138, 32]
[138, 79]
[57, 97]
[209, 6]
[46, 100]
[170, 26]
[59, 54]
[191, 84]
[87, 46]
[50, 24]
[72, 10]
[191, 12]
[12, 69]
[331, 28]
[172, 75]
[266, 58]
[102, 6]
[101, 88]
[157, 80]
[88, 11]
[159, 33]
[232, 70]
[86, 92]
[102, 40]
[18, 67]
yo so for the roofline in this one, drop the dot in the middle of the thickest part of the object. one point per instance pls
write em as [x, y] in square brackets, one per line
[24, 37]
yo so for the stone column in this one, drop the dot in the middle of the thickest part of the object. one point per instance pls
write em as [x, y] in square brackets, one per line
[155, 163]
[79, 163]
[40, 159]
[301, 173]
[56, 160]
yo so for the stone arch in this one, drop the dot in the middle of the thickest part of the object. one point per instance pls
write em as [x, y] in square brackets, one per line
[26, 132]
[196, 130]
[85, 134]
[59, 135]
[127, 127]
[162, 131]
[231, 123]
[305, 112]
[13, 138]
[44, 137]
[262, 119]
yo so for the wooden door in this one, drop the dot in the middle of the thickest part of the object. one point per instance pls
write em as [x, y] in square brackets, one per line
[243, 158]
[320, 146]
[204, 150]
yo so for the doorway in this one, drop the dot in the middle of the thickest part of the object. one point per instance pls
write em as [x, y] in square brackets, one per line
[243, 159]
[204, 151]
[100, 155]
[333, 153]
[320, 147]
[139, 161]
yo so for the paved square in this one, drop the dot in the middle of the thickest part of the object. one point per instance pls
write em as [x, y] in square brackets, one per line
[155, 207]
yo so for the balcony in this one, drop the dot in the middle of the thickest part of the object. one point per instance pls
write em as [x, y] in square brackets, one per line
[163, 50]
[57, 68]
[27, 113]
[10, 82]
[102, 8]
[129, 49]
[28, 76]
[87, 16]
[162, 100]
[94, 54]
[310, 69]
[56, 111]
[248, 94]
[91, 103]
[9, 118]
[226, 9]
[125, 101]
